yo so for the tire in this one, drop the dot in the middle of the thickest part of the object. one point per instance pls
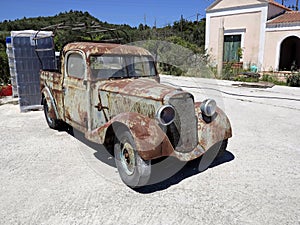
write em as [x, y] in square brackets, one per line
[222, 148]
[133, 170]
[52, 123]
[216, 151]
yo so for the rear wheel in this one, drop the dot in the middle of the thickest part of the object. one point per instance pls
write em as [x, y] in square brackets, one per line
[133, 170]
[52, 123]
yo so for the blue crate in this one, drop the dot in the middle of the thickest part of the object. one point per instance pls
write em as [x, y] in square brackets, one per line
[26, 64]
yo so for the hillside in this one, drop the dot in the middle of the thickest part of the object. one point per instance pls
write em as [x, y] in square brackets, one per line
[67, 18]
[190, 34]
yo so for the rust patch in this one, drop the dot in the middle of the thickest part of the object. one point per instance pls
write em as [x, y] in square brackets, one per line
[148, 136]
[217, 130]
[82, 116]
[142, 87]
[67, 114]
[90, 48]
[118, 103]
[53, 81]
[196, 153]
[51, 111]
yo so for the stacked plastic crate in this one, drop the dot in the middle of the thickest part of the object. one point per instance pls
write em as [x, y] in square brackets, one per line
[31, 52]
[11, 61]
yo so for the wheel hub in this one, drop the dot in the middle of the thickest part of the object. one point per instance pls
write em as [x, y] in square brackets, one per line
[127, 158]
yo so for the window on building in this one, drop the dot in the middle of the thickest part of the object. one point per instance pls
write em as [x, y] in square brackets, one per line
[232, 45]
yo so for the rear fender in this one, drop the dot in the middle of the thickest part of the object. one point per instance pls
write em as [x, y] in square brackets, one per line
[53, 112]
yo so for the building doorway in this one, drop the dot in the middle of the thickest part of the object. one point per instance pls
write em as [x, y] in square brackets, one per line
[290, 54]
[232, 45]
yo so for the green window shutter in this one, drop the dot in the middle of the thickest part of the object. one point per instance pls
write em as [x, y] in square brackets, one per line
[232, 43]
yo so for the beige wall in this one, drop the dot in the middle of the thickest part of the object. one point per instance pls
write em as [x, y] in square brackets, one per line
[272, 47]
[249, 22]
[235, 3]
[274, 10]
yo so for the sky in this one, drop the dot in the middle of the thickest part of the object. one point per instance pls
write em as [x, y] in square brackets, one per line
[132, 12]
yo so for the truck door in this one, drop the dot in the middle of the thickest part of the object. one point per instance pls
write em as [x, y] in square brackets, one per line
[75, 90]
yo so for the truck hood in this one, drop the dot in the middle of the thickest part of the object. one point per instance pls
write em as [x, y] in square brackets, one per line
[141, 87]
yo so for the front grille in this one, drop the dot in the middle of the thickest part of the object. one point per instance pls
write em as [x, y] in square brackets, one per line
[183, 132]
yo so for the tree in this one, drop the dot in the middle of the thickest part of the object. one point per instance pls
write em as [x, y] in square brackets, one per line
[4, 69]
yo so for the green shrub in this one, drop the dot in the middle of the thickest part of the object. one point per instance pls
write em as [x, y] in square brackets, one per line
[294, 80]
[228, 71]
[4, 69]
[168, 69]
[267, 78]
[272, 79]
[245, 79]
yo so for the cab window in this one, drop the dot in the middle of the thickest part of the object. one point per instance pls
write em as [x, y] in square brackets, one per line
[75, 66]
[118, 66]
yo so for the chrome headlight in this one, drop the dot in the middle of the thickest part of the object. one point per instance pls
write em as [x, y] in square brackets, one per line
[166, 115]
[208, 107]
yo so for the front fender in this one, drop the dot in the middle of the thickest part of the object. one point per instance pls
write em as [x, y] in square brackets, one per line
[211, 133]
[53, 112]
[149, 138]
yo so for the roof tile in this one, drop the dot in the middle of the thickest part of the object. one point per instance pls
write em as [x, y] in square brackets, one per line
[287, 17]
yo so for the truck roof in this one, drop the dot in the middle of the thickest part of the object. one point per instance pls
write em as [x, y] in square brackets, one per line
[94, 48]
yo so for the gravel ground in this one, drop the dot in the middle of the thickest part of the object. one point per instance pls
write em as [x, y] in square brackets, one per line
[52, 177]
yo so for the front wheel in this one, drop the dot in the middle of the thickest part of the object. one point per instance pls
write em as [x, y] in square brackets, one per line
[222, 148]
[216, 151]
[133, 170]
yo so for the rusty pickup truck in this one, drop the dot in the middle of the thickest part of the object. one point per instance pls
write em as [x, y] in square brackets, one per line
[112, 94]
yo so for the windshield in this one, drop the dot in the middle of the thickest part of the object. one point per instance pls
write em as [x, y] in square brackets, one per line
[117, 66]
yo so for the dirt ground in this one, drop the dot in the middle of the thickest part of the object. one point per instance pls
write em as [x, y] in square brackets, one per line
[53, 177]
